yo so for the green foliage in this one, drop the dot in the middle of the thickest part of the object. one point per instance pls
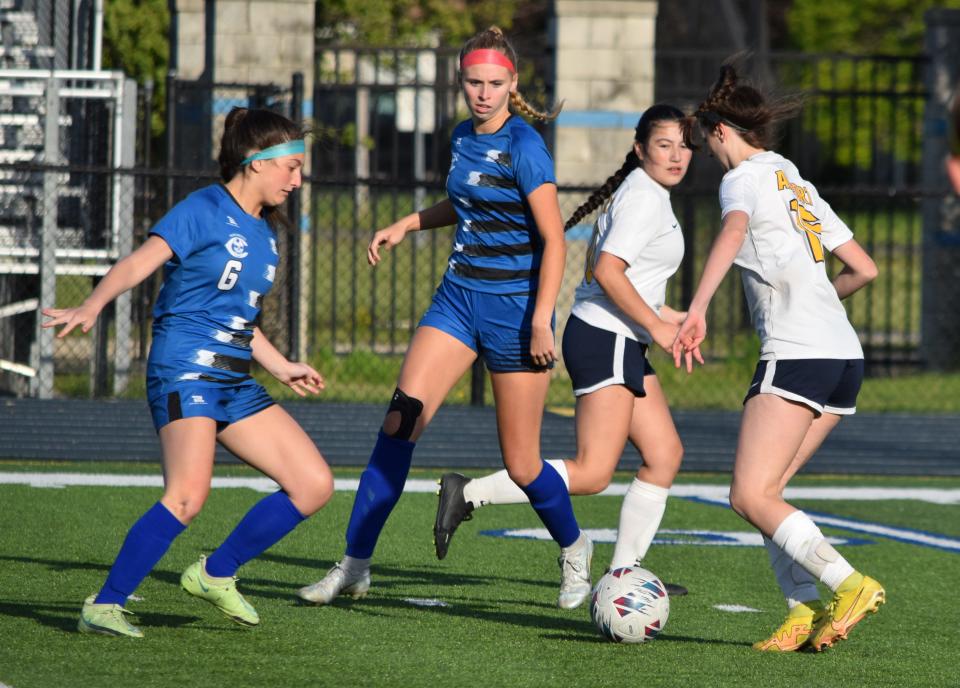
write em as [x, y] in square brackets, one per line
[410, 22]
[135, 41]
[889, 27]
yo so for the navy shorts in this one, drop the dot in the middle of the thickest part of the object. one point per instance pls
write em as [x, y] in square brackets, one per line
[826, 385]
[224, 403]
[598, 358]
[496, 326]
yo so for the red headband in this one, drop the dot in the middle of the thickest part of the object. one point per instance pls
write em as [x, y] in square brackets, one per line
[487, 56]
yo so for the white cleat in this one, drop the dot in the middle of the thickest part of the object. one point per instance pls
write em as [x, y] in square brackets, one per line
[575, 574]
[338, 581]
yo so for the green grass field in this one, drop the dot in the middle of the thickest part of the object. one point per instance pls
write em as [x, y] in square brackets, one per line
[500, 625]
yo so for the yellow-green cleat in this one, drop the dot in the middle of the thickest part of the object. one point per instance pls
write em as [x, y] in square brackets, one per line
[107, 619]
[856, 597]
[795, 631]
[222, 593]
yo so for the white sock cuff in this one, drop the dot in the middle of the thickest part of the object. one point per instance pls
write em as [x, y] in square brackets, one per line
[561, 467]
[654, 493]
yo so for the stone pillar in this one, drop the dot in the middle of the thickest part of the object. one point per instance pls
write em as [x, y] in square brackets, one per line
[940, 324]
[604, 75]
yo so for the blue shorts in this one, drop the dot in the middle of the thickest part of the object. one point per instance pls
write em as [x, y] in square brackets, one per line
[826, 385]
[496, 326]
[224, 403]
[598, 358]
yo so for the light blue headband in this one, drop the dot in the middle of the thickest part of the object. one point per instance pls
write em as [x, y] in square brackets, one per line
[278, 151]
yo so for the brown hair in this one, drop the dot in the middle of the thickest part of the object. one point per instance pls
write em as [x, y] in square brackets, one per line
[652, 116]
[742, 107]
[494, 39]
[246, 131]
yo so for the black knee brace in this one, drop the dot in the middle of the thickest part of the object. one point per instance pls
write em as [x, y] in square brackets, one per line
[409, 410]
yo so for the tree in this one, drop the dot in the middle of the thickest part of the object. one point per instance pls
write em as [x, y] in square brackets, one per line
[891, 27]
[135, 42]
[411, 22]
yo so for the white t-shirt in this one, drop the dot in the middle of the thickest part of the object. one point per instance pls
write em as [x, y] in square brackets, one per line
[793, 304]
[637, 225]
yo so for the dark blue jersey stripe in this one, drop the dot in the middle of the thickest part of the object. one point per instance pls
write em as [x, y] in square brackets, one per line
[482, 250]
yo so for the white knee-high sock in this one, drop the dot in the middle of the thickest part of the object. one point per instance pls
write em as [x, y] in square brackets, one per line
[802, 541]
[499, 488]
[797, 584]
[640, 516]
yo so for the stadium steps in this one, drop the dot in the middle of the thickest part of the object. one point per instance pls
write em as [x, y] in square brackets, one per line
[465, 437]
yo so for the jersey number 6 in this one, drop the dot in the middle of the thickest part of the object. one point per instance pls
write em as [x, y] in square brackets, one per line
[231, 273]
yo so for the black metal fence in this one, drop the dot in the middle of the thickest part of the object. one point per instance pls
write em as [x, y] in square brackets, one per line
[382, 122]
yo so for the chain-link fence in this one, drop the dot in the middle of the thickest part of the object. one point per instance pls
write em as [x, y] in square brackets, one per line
[73, 199]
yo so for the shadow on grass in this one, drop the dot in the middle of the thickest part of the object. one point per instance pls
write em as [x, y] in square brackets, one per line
[496, 612]
[63, 616]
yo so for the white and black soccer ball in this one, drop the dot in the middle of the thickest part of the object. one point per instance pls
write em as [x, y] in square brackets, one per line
[629, 605]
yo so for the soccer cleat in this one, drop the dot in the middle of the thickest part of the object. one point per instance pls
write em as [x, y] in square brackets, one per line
[452, 510]
[575, 574]
[338, 581]
[222, 593]
[796, 629]
[856, 597]
[107, 619]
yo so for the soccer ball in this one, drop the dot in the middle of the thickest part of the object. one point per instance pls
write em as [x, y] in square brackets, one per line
[629, 605]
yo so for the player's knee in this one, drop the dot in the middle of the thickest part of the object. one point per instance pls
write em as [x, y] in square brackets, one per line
[313, 489]
[590, 483]
[744, 501]
[402, 415]
[185, 507]
[523, 474]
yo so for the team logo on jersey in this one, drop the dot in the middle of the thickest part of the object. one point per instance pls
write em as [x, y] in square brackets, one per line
[197, 400]
[231, 221]
[237, 246]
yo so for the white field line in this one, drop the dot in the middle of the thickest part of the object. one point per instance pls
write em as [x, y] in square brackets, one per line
[695, 490]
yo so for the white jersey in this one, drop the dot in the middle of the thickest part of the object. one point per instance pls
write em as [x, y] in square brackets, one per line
[638, 226]
[793, 304]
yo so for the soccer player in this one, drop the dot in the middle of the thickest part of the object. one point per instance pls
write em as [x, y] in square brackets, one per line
[218, 248]
[496, 300]
[777, 229]
[618, 312]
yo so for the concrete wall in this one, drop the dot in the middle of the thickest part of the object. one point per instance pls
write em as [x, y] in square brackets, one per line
[604, 73]
[257, 41]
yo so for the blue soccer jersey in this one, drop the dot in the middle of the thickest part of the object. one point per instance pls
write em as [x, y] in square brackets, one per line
[224, 263]
[497, 247]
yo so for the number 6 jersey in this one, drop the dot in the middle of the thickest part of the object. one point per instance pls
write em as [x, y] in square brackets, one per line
[793, 304]
[223, 265]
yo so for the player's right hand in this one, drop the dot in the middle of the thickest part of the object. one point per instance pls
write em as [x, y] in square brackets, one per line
[82, 316]
[692, 332]
[387, 238]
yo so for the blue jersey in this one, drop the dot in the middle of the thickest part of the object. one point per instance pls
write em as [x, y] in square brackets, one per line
[223, 265]
[497, 247]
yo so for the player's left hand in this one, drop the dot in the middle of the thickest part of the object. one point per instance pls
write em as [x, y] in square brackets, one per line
[542, 345]
[302, 379]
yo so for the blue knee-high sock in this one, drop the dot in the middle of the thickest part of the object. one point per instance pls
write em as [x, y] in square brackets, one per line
[380, 487]
[550, 499]
[146, 543]
[267, 522]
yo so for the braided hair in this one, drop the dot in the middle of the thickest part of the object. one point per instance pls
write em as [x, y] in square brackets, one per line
[743, 108]
[493, 39]
[653, 116]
